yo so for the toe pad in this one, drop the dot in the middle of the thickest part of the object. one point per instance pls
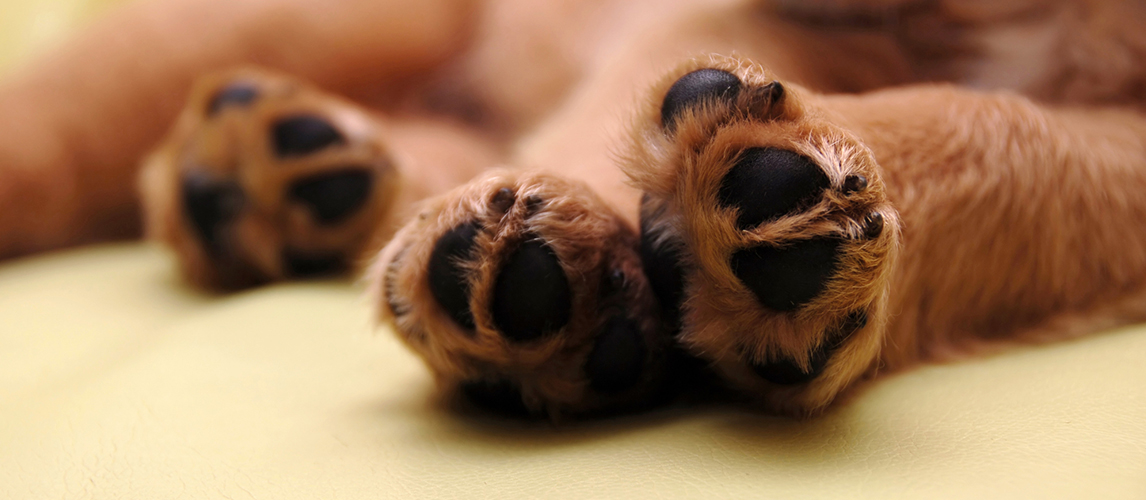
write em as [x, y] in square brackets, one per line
[695, 87]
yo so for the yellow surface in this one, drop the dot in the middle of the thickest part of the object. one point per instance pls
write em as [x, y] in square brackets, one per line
[117, 382]
[28, 27]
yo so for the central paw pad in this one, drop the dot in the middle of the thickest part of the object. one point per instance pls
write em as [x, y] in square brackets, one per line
[788, 277]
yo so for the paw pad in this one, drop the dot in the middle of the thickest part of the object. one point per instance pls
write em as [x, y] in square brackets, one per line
[767, 183]
[333, 196]
[783, 278]
[448, 279]
[695, 87]
[617, 360]
[302, 135]
[787, 372]
[210, 205]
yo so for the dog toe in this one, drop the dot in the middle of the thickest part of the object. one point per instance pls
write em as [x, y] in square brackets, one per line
[694, 88]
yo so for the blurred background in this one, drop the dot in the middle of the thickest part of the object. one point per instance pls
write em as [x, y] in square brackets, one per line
[28, 27]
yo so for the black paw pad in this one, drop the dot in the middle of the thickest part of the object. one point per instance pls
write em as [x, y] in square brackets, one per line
[500, 397]
[531, 297]
[234, 95]
[210, 205]
[661, 263]
[303, 135]
[449, 283]
[766, 183]
[333, 197]
[618, 357]
[303, 265]
[787, 372]
[695, 87]
[785, 278]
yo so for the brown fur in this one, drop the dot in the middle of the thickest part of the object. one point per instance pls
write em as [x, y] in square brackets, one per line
[1064, 51]
[1010, 215]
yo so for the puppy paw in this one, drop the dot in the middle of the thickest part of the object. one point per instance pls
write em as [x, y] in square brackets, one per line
[265, 178]
[523, 293]
[766, 230]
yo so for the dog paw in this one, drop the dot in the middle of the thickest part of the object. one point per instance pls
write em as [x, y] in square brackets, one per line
[766, 230]
[523, 293]
[265, 178]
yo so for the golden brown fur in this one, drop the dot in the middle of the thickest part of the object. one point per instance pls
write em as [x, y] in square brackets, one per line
[929, 145]
[1004, 218]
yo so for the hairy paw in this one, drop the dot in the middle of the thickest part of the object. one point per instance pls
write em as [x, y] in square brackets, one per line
[265, 178]
[766, 230]
[523, 293]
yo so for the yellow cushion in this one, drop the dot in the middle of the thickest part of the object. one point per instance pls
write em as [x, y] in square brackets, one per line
[117, 381]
